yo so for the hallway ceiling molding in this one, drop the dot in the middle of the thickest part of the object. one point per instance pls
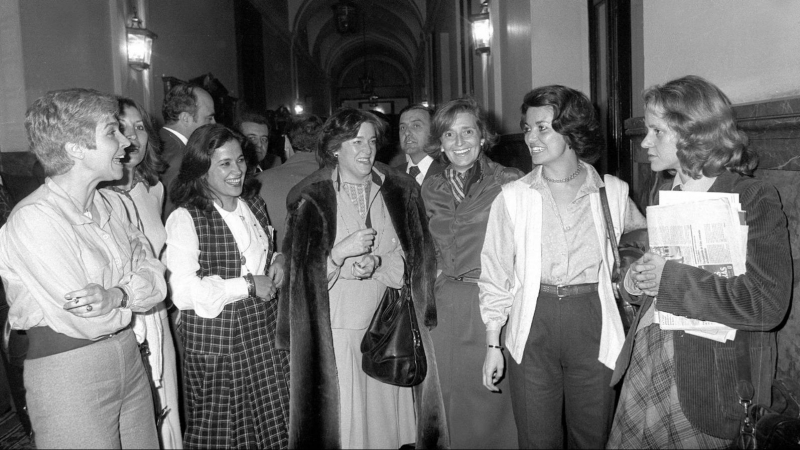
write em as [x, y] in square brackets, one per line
[393, 33]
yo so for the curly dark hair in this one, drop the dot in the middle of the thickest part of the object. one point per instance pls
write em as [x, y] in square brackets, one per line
[191, 187]
[152, 165]
[181, 98]
[709, 142]
[574, 117]
[343, 126]
[303, 132]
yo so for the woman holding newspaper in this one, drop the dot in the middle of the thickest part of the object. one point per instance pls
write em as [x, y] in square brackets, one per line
[547, 277]
[680, 388]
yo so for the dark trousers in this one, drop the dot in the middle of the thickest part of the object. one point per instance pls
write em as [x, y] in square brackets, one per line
[560, 379]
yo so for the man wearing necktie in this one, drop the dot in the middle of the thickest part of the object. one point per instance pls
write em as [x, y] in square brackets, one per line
[415, 133]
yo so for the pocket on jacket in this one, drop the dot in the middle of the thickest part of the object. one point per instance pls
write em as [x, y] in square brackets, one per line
[725, 382]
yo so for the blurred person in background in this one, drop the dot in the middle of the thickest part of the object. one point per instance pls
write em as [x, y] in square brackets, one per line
[415, 142]
[277, 182]
[255, 128]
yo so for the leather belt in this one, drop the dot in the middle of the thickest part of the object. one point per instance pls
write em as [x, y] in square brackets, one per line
[108, 336]
[562, 291]
[464, 279]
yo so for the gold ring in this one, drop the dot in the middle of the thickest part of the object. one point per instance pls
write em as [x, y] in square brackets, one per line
[88, 307]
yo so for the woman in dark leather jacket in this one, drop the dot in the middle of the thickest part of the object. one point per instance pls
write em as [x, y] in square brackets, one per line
[457, 202]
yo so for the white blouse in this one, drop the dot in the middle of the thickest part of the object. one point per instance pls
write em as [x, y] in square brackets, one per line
[208, 296]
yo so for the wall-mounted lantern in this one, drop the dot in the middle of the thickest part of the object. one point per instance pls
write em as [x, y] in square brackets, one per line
[345, 14]
[482, 29]
[140, 44]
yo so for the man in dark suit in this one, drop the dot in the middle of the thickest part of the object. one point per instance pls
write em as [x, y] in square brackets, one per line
[186, 108]
[277, 182]
[415, 133]
[255, 128]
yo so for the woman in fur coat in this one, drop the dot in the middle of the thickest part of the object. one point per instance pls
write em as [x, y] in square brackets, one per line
[350, 225]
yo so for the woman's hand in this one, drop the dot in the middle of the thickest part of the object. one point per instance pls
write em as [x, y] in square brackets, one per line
[265, 287]
[493, 368]
[366, 266]
[93, 300]
[276, 271]
[356, 244]
[646, 273]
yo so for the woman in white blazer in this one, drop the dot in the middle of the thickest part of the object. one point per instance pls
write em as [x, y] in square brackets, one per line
[547, 277]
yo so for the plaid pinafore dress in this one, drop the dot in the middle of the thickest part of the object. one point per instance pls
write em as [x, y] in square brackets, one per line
[236, 382]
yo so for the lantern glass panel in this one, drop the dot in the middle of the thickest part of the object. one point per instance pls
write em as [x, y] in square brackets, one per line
[140, 47]
[482, 34]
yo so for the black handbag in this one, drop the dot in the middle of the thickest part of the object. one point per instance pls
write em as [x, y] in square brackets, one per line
[631, 247]
[392, 350]
[761, 427]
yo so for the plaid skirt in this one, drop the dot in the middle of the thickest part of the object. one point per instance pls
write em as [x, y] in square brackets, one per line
[649, 413]
[235, 381]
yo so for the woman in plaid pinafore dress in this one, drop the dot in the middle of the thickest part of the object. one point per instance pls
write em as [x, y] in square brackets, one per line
[224, 278]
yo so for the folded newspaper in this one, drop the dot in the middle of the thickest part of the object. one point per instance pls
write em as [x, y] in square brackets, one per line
[701, 229]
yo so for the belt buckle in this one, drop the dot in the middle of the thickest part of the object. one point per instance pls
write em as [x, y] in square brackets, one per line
[560, 294]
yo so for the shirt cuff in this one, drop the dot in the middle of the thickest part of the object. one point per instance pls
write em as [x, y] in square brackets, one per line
[237, 289]
[495, 325]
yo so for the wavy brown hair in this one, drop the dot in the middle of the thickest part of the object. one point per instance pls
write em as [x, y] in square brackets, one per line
[709, 142]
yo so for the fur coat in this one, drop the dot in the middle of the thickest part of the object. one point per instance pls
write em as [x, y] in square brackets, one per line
[304, 324]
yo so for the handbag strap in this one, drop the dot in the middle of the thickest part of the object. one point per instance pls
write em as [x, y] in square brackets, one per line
[610, 233]
[744, 383]
[744, 389]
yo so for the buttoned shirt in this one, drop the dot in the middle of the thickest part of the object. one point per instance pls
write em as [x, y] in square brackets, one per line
[208, 296]
[513, 255]
[49, 247]
[424, 164]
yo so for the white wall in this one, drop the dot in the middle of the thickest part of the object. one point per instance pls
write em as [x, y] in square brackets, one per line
[560, 43]
[750, 49]
[12, 80]
[535, 43]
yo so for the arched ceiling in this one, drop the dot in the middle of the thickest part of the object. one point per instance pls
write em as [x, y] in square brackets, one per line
[392, 32]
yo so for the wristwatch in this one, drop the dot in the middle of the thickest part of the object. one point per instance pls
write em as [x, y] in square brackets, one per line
[124, 302]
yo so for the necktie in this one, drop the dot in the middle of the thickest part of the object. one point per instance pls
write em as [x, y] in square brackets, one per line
[414, 171]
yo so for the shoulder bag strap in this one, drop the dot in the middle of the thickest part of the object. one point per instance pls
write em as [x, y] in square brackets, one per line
[610, 233]
[746, 438]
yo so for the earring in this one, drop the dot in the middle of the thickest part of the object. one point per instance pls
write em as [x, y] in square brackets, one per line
[335, 154]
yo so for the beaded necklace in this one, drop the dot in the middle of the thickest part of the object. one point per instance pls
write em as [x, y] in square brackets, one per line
[564, 180]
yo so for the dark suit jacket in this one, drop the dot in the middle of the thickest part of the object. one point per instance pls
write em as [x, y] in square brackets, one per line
[276, 184]
[754, 303]
[435, 167]
[172, 153]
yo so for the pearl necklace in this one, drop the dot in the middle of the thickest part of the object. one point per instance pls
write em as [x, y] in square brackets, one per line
[564, 180]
